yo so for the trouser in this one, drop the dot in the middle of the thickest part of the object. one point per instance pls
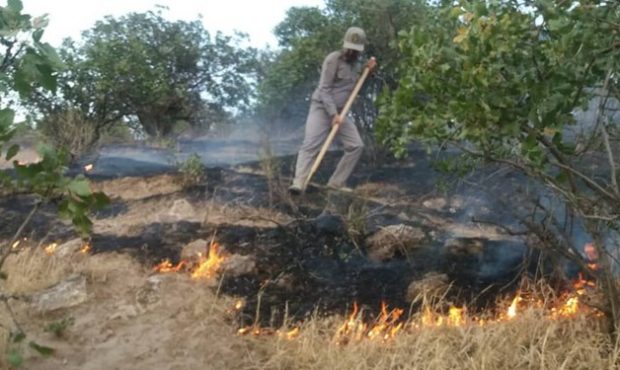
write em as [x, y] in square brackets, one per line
[318, 126]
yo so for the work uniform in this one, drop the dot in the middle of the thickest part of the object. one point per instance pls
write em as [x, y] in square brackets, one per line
[338, 78]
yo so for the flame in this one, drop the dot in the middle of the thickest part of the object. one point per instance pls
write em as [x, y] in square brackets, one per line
[206, 267]
[209, 266]
[166, 266]
[512, 309]
[16, 244]
[257, 331]
[385, 327]
[455, 316]
[86, 248]
[89, 167]
[51, 249]
[239, 305]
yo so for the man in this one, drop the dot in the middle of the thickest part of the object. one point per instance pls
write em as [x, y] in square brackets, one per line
[338, 78]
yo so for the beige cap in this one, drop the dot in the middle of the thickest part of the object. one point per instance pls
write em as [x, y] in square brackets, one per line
[354, 39]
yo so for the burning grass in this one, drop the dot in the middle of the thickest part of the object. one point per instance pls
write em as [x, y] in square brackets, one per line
[522, 333]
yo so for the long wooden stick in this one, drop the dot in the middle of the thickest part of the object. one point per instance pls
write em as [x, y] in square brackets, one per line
[334, 129]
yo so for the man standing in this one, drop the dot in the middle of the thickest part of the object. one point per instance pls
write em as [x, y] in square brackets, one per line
[338, 78]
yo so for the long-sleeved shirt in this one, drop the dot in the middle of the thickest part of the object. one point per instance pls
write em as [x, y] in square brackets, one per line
[337, 81]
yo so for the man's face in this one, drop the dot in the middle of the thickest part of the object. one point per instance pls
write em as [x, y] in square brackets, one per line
[351, 55]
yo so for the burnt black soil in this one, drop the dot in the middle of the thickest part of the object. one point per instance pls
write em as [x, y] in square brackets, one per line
[312, 264]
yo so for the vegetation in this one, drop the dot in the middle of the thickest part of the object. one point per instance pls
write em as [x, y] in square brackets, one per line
[503, 84]
[28, 63]
[502, 81]
[192, 171]
[152, 74]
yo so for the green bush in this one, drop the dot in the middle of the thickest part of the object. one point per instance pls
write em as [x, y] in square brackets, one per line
[192, 171]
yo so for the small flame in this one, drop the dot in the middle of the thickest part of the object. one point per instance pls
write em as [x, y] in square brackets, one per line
[385, 327]
[89, 167]
[239, 305]
[512, 310]
[257, 331]
[209, 266]
[206, 267]
[455, 316]
[166, 266]
[51, 249]
[16, 244]
[86, 248]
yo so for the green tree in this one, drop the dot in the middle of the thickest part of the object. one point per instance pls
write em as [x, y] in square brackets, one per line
[502, 80]
[29, 64]
[154, 72]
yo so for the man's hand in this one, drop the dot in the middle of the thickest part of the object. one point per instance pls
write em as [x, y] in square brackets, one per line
[336, 120]
[372, 63]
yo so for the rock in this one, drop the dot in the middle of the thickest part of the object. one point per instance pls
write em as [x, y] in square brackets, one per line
[148, 295]
[68, 293]
[237, 265]
[330, 224]
[431, 287]
[464, 246]
[285, 281]
[435, 204]
[181, 210]
[383, 244]
[125, 312]
[191, 250]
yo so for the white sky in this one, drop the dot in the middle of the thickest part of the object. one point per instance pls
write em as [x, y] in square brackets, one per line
[257, 18]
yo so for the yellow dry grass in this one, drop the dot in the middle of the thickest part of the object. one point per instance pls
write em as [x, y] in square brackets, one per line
[189, 327]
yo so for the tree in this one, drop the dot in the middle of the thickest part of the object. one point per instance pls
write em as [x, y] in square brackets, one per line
[501, 81]
[158, 73]
[27, 64]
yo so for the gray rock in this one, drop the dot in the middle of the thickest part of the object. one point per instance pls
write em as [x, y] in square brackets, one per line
[191, 251]
[330, 224]
[431, 288]
[382, 245]
[237, 265]
[68, 293]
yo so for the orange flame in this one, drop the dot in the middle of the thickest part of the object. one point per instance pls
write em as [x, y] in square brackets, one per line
[166, 266]
[86, 248]
[51, 249]
[209, 266]
[206, 267]
[257, 331]
[455, 316]
[385, 327]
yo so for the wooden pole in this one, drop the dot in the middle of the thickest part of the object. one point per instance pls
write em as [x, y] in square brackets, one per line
[334, 129]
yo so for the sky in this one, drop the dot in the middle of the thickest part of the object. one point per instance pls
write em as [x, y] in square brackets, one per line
[257, 18]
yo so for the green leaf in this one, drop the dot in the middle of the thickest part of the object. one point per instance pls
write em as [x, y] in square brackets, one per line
[18, 337]
[43, 350]
[7, 116]
[15, 5]
[12, 152]
[15, 359]
[80, 187]
[101, 200]
[36, 35]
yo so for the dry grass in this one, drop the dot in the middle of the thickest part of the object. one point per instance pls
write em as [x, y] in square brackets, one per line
[188, 327]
